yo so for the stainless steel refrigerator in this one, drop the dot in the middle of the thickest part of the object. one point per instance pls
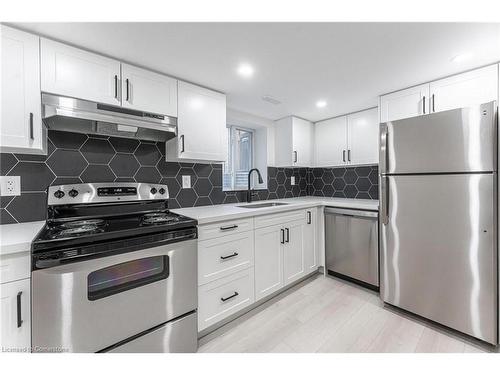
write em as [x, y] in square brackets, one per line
[438, 218]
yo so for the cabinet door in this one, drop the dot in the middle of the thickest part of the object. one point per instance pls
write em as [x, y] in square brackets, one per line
[302, 143]
[148, 91]
[202, 131]
[463, 90]
[330, 142]
[22, 129]
[405, 103]
[363, 135]
[293, 252]
[283, 142]
[268, 260]
[311, 256]
[70, 71]
[15, 317]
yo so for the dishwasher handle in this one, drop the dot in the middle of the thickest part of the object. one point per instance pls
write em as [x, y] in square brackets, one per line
[350, 212]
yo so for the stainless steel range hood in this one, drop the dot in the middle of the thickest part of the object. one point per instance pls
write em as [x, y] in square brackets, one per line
[82, 116]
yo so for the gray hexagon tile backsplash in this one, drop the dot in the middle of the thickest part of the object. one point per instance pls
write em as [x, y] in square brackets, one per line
[76, 158]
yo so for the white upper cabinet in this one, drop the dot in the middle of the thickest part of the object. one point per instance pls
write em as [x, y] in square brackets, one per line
[330, 142]
[462, 90]
[293, 142]
[148, 91]
[21, 122]
[201, 123]
[405, 103]
[72, 72]
[363, 136]
[458, 91]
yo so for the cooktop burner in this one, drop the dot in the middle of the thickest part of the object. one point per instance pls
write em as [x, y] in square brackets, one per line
[159, 218]
[83, 223]
[77, 231]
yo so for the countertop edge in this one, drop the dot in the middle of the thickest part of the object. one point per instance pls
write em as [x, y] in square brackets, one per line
[17, 238]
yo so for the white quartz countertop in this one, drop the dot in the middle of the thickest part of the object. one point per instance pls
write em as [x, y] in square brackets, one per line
[15, 238]
[220, 212]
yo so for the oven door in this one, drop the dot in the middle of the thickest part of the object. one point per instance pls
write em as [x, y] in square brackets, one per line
[91, 305]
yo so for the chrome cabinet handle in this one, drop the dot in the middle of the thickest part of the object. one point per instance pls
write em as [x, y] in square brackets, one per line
[282, 240]
[287, 235]
[309, 217]
[235, 254]
[229, 227]
[19, 317]
[295, 157]
[116, 86]
[32, 137]
[228, 298]
[343, 156]
[127, 90]
[433, 103]
[182, 143]
[423, 105]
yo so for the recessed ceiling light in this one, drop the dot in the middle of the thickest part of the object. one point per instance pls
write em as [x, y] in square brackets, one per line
[461, 57]
[245, 70]
[320, 104]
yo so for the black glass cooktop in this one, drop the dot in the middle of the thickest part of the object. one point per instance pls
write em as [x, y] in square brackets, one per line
[71, 231]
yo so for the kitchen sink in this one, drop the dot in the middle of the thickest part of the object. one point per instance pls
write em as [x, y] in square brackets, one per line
[262, 205]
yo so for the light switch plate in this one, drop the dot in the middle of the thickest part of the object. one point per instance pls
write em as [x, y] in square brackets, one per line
[10, 185]
[186, 182]
[292, 180]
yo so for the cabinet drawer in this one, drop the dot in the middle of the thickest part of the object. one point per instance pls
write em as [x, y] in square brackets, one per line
[224, 297]
[280, 218]
[223, 256]
[224, 228]
[14, 267]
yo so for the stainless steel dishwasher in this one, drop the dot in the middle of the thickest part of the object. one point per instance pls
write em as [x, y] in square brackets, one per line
[351, 245]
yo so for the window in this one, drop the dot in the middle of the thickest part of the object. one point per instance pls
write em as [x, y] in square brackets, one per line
[240, 158]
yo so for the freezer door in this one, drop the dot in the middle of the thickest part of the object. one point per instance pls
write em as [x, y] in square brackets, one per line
[459, 140]
[438, 250]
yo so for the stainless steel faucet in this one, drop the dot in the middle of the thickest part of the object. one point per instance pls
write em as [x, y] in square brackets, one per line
[249, 192]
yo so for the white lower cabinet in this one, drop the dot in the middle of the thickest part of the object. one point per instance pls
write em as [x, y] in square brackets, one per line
[239, 265]
[268, 260]
[219, 299]
[15, 316]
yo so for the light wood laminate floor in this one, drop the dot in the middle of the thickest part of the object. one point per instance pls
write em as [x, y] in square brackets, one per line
[324, 314]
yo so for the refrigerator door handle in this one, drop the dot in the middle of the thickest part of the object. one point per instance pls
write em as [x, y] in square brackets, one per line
[384, 159]
[384, 214]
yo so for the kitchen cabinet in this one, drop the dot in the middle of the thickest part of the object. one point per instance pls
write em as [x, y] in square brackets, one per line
[310, 233]
[15, 301]
[22, 129]
[148, 91]
[293, 142]
[70, 71]
[285, 250]
[201, 124]
[410, 102]
[330, 142]
[460, 90]
[268, 260]
[347, 140]
[294, 248]
[474, 87]
[362, 137]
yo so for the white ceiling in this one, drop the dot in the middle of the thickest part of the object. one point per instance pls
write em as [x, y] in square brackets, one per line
[346, 64]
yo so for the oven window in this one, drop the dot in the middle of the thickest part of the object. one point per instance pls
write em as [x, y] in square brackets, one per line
[124, 276]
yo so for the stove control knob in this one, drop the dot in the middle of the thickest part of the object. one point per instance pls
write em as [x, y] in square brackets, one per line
[73, 193]
[161, 191]
[59, 194]
[153, 190]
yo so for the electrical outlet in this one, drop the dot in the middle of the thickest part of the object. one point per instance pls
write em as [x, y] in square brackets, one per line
[186, 182]
[10, 185]
[292, 180]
